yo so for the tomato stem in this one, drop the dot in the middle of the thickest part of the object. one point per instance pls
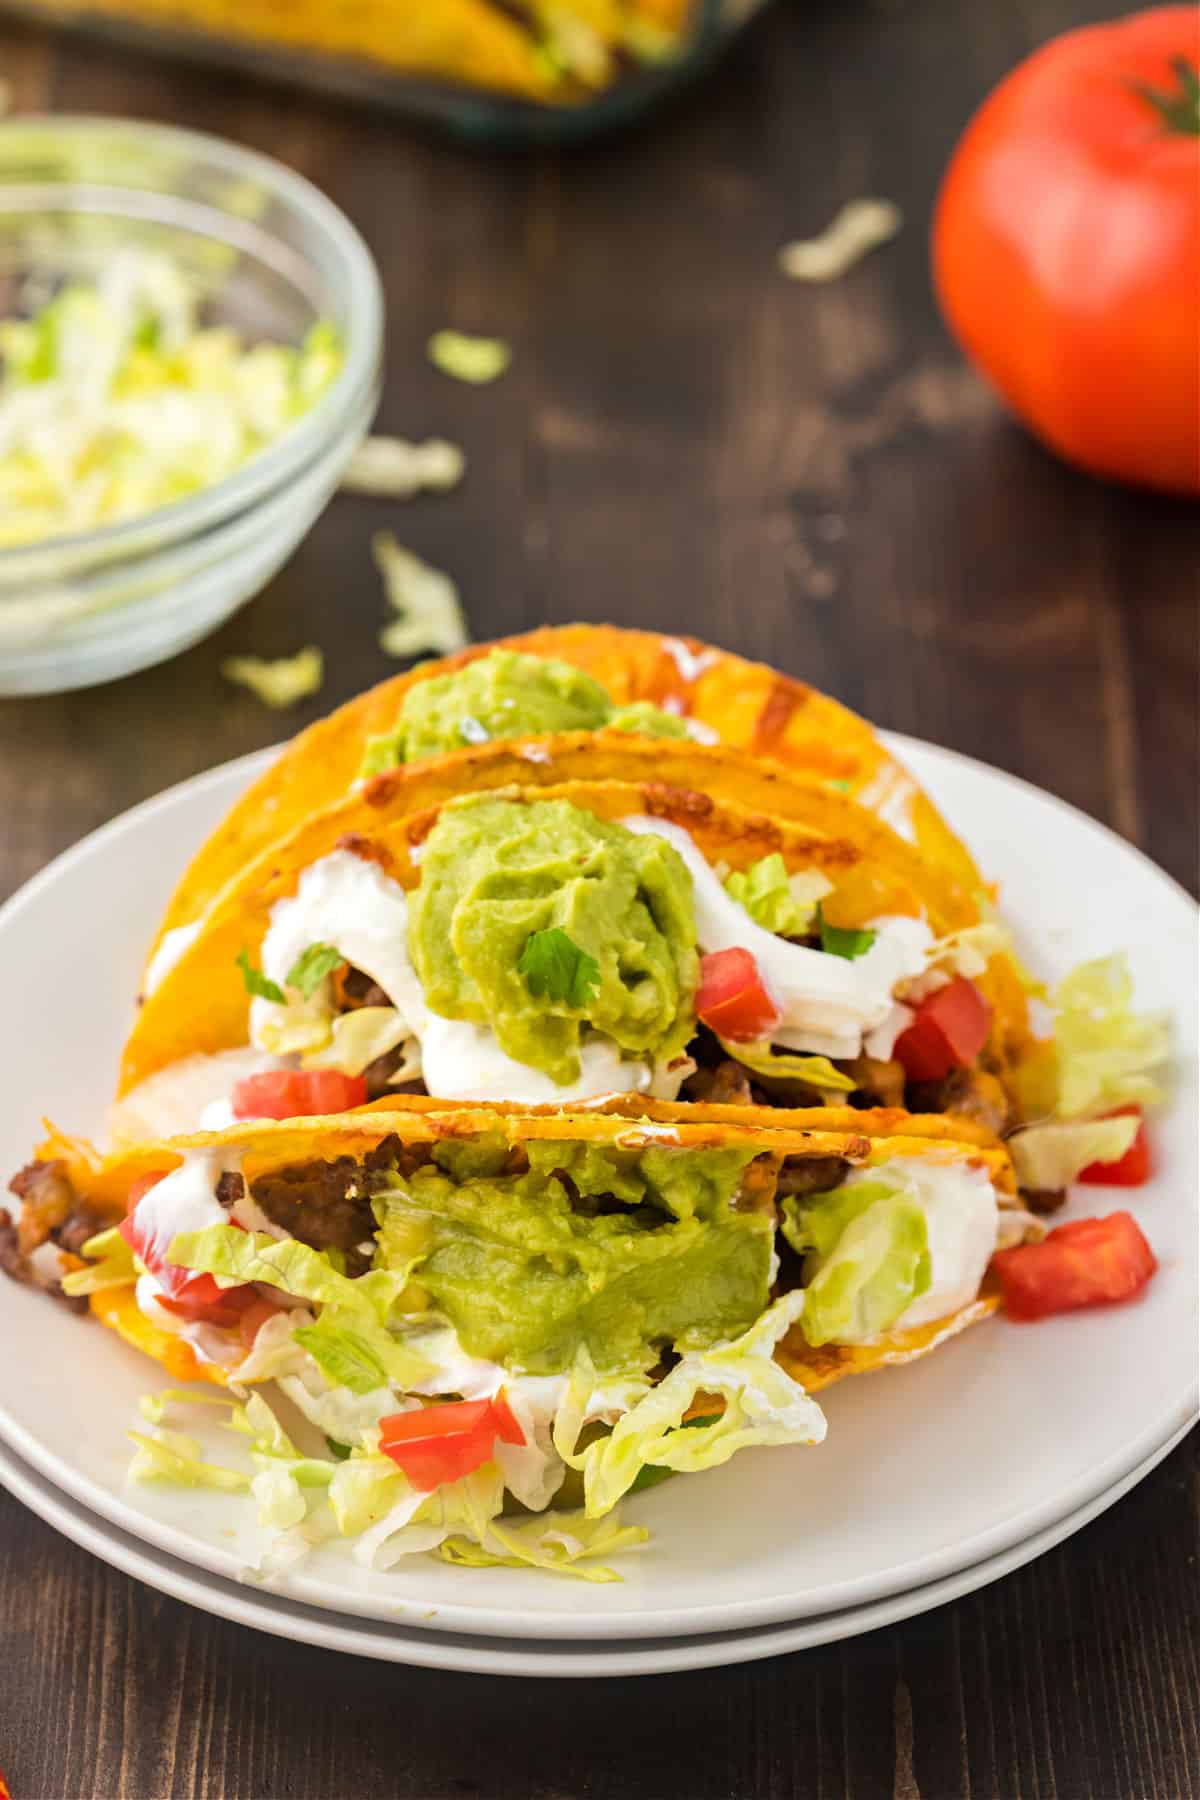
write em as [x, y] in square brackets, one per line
[1178, 107]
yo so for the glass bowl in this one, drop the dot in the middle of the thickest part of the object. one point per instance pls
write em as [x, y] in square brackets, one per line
[271, 256]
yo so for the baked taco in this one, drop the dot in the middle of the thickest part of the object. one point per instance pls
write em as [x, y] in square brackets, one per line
[553, 944]
[572, 678]
[483, 1327]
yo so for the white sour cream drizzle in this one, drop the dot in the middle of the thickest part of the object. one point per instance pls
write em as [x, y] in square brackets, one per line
[827, 1002]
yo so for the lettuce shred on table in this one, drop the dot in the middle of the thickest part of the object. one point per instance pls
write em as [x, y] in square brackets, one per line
[279, 682]
[431, 617]
[116, 400]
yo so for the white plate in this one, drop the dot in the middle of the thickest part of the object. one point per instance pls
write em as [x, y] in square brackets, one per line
[927, 1470]
[515, 1656]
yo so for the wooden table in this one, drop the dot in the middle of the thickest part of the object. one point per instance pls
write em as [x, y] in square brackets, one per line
[807, 475]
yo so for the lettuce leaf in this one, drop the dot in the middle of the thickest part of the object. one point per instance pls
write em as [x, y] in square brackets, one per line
[1104, 1050]
[172, 1457]
[817, 1071]
[112, 1265]
[561, 1543]
[1053, 1154]
[358, 1037]
[867, 1258]
[779, 902]
[286, 1263]
[353, 1352]
[763, 1405]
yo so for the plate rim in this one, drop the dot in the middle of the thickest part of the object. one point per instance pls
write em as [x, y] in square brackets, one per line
[679, 1621]
[259, 1609]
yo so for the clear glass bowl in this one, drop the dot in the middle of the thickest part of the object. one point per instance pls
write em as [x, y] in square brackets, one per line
[272, 256]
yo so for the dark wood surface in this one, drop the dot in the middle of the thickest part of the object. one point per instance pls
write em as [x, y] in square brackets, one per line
[807, 475]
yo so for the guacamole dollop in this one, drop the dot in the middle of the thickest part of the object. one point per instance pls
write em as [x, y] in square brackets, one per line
[506, 694]
[621, 1253]
[494, 872]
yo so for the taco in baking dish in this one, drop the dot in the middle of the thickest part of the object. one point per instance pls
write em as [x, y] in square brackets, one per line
[484, 1326]
[565, 679]
[552, 944]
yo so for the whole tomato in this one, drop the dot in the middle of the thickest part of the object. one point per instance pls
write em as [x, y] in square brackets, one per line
[1066, 246]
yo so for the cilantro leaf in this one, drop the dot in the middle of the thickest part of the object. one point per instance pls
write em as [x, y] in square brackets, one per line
[311, 967]
[556, 968]
[838, 942]
[258, 983]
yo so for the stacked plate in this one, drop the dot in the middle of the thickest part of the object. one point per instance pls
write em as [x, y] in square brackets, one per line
[934, 1479]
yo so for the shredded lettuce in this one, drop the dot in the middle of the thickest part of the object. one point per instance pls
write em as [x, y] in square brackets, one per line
[361, 1035]
[281, 681]
[866, 1248]
[173, 1457]
[1052, 1155]
[354, 1352]
[396, 470]
[779, 902]
[431, 617]
[288, 1264]
[1104, 1050]
[113, 401]
[817, 1071]
[473, 359]
[111, 1261]
[969, 950]
[561, 1543]
[762, 1405]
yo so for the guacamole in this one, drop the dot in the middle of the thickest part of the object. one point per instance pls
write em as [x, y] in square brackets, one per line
[506, 694]
[495, 872]
[621, 1253]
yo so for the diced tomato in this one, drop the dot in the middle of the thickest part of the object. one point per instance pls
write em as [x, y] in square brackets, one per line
[948, 1032]
[1087, 1262]
[193, 1296]
[1130, 1170]
[254, 1318]
[297, 1094]
[732, 1000]
[444, 1443]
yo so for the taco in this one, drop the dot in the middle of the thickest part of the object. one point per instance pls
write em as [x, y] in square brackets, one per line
[572, 678]
[553, 944]
[473, 1319]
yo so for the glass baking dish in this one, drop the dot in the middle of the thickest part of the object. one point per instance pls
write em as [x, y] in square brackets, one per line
[497, 71]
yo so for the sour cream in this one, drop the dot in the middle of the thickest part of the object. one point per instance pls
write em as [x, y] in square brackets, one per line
[463, 1061]
[827, 1002]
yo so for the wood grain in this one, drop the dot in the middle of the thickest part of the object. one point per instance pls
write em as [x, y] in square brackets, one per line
[808, 475]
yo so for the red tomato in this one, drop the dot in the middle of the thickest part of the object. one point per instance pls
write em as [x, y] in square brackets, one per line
[254, 1318]
[196, 1297]
[949, 1031]
[732, 1000]
[1066, 247]
[297, 1094]
[1089, 1262]
[446, 1442]
[1130, 1170]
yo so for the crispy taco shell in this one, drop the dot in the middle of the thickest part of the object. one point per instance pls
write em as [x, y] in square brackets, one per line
[782, 722]
[201, 1005]
[864, 1138]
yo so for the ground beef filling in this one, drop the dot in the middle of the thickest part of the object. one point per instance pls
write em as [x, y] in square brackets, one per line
[328, 1204]
[51, 1213]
